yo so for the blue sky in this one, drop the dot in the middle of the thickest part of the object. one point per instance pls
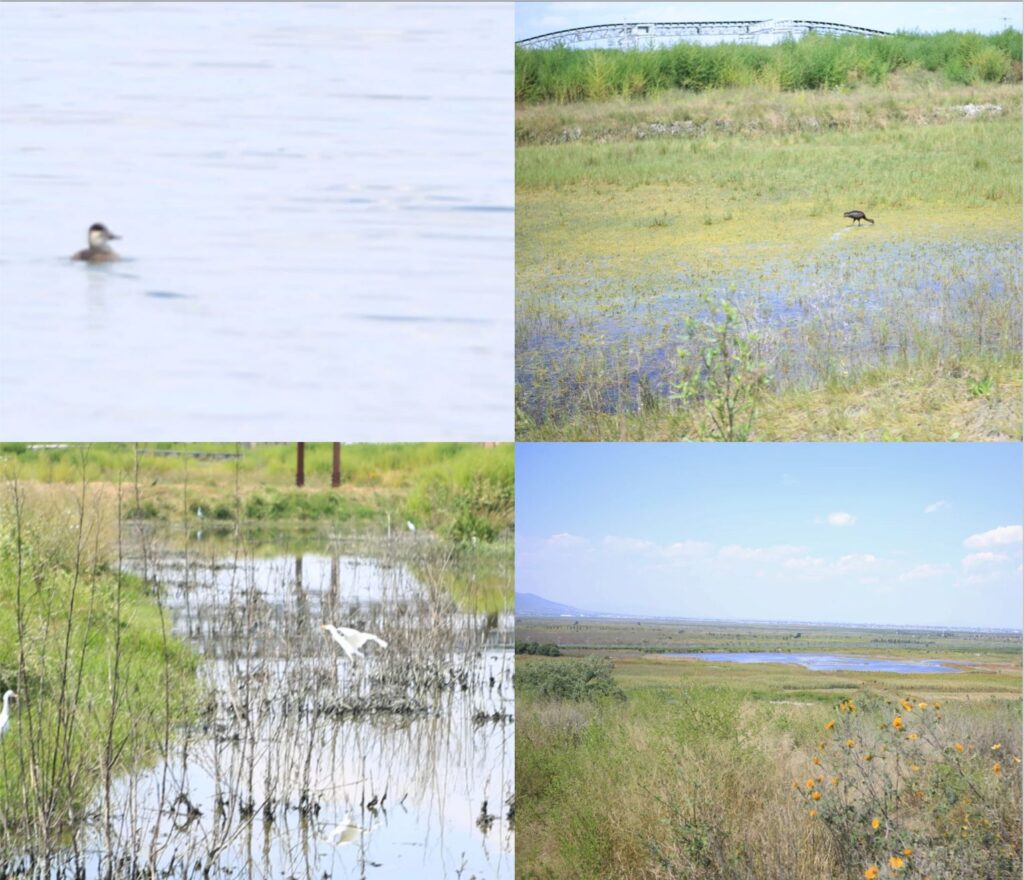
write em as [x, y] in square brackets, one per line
[921, 534]
[533, 19]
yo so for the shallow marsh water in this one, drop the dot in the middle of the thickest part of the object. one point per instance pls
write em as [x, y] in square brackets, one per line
[825, 662]
[591, 338]
[316, 209]
[302, 763]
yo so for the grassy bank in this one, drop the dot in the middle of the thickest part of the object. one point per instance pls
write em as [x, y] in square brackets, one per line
[101, 681]
[813, 62]
[457, 490]
[731, 771]
[640, 229]
[910, 98]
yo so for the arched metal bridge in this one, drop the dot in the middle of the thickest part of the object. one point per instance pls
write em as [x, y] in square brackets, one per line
[634, 35]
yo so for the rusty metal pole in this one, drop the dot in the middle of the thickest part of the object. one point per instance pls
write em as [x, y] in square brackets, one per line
[300, 465]
[336, 469]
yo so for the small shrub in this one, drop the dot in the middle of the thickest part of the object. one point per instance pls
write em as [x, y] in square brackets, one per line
[724, 377]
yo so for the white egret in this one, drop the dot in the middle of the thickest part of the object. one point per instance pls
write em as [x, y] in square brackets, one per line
[347, 831]
[410, 526]
[351, 640]
[5, 716]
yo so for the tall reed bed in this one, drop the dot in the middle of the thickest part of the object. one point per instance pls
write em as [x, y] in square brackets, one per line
[813, 62]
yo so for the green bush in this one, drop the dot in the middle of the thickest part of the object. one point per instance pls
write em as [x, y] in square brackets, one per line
[548, 649]
[589, 679]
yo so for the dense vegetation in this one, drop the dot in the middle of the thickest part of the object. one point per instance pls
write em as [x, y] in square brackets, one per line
[738, 772]
[813, 62]
[460, 491]
[590, 679]
[545, 649]
[101, 680]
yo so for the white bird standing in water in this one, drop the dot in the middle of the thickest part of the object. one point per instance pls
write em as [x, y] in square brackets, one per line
[5, 716]
[351, 640]
[348, 831]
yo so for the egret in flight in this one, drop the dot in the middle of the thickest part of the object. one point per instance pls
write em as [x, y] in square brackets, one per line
[351, 640]
[5, 716]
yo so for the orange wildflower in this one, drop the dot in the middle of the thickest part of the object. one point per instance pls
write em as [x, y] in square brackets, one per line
[831, 724]
[958, 746]
[876, 823]
[871, 873]
[895, 862]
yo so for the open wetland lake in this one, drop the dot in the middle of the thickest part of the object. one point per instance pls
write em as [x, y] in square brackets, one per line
[289, 759]
[825, 662]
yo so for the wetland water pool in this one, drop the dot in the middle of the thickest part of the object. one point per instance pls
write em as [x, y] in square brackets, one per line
[303, 763]
[826, 662]
[589, 338]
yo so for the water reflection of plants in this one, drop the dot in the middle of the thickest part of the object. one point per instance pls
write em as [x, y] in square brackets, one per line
[607, 345]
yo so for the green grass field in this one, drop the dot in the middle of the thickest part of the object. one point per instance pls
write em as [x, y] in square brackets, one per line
[636, 218]
[767, 771]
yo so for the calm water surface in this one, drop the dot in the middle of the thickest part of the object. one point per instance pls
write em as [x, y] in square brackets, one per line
[827, 662]
[298, 745]
[316, 207]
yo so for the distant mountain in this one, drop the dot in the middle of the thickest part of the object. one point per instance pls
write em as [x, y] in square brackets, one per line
[532, 605]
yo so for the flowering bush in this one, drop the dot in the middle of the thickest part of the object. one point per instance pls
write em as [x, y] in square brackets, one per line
[903, 797]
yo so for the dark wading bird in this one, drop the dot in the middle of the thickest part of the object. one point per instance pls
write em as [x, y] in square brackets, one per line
[858, 216]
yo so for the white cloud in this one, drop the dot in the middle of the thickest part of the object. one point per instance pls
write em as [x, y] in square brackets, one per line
[779, 551]
[564, 540]
[977, 580]
[973, 560]
[855, 561]
[688, 548]
[804, 562]
[627, 545]
[937, 506]
[995, 537]
[839, 518]
[920, 572]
